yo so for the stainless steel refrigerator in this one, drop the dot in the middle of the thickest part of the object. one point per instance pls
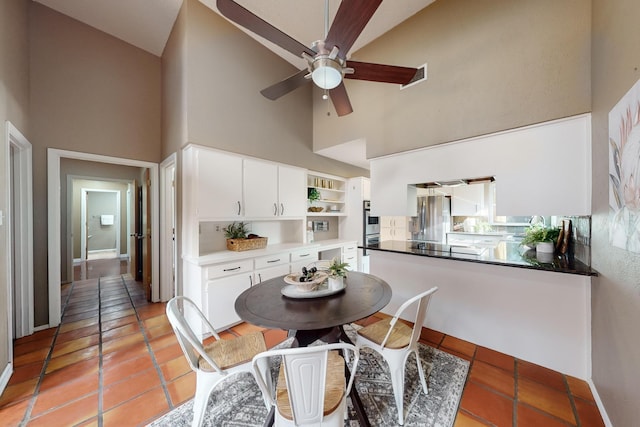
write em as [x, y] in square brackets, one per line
[433, 221]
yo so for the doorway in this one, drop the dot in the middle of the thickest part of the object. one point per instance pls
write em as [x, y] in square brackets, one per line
[54, 211]
[100, 224]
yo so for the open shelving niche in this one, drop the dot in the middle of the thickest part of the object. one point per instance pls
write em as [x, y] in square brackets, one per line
[332, 194]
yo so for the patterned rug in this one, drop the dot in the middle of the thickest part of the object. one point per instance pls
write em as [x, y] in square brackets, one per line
[237, 402]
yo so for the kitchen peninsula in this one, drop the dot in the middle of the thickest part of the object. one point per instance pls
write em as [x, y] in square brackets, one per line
[505, 253]
[538, 313]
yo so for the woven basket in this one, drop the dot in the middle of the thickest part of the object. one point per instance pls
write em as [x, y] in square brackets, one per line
[239, 245]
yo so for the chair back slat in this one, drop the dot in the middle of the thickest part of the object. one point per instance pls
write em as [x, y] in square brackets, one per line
[311, 393]
[178, 310]
[423, 303]
[305, 378]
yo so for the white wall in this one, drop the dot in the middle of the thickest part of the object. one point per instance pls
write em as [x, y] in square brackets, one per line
[538, 316]
[543, 169]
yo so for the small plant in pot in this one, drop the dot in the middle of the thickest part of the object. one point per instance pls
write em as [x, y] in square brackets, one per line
[337, 274]
[236, 230]
[541, 237]
[313, 194]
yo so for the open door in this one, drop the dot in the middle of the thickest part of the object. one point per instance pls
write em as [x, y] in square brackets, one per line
[146, 236]
[134, 199]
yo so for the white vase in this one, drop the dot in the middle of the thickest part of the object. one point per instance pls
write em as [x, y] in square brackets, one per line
[545, 247]
[336, 283]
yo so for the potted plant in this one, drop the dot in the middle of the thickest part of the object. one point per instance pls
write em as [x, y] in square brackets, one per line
[239, 240]
[313, 194]
[236, 230]
[541, 237]
[337, 274]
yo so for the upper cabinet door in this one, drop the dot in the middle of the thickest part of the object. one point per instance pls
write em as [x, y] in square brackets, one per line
[219, 185]
[260, 189]
[292, 192]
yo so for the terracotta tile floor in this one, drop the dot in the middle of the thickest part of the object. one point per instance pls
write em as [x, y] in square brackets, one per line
[115, 362]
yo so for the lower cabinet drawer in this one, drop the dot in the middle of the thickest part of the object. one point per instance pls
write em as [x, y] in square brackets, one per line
[306, 255]
[272, 260]
[228, 269]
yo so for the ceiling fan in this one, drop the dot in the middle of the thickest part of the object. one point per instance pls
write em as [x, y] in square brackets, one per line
[327, 59]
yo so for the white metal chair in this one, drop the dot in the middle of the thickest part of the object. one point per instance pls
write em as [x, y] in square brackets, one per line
[310, 390]
[212, 362]
[395, 341]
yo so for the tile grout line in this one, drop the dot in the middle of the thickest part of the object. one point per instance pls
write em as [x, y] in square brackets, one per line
[45, 365]
[572, 401]
[163, 382]
[100, 365]
[516, 376]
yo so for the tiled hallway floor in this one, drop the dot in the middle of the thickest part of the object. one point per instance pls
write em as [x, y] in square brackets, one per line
[114, 361]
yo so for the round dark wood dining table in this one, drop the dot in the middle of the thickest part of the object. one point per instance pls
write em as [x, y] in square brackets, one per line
[311, 318]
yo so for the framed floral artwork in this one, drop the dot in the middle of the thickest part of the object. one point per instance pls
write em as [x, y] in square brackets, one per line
[624, 171]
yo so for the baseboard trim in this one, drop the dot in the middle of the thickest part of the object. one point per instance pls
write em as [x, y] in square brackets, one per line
[6, 375]
[596, 397]
[41, 328]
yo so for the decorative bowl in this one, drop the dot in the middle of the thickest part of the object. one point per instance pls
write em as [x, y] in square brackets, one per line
[309, 285]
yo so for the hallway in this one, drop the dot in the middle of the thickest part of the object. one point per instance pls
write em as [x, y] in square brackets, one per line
[114, 361]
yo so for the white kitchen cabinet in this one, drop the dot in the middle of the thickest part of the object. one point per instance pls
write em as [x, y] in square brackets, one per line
[271, 266]
[350, 256]
[272, 190]
[221, 296]
[291, 191]
[260, 189]
[270, 273]
[468, 200]
[393, 228]
[218, 184]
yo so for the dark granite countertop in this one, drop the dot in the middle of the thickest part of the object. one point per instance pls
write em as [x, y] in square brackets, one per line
[506, 253]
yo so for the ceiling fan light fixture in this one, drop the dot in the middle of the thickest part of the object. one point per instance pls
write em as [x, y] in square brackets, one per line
[327, 73]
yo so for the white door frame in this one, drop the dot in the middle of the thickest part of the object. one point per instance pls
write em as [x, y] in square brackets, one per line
[168, 243]
[22, 223]
[83, 218]
[53, 206]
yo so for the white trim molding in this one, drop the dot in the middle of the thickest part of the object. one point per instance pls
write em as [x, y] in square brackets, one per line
[20, 218]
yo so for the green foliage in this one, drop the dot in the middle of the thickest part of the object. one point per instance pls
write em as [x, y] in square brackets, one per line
[337, 268]
[236, 230]
[539, 233]
[313, 194]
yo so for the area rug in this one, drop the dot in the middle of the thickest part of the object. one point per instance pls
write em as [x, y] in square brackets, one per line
[237, 402]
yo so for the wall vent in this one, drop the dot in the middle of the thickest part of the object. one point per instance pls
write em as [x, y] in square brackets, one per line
[421, 75]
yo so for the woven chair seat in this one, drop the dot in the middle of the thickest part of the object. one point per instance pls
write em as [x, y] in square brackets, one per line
[333, 392]
[399, 338]
[230, 353]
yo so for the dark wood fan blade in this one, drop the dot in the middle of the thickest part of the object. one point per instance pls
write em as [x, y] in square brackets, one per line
[287, 85]
[350, 20]
[380, 72]
[241, 16]
[340, 100]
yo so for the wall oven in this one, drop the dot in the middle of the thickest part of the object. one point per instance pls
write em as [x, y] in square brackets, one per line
[371, 226]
